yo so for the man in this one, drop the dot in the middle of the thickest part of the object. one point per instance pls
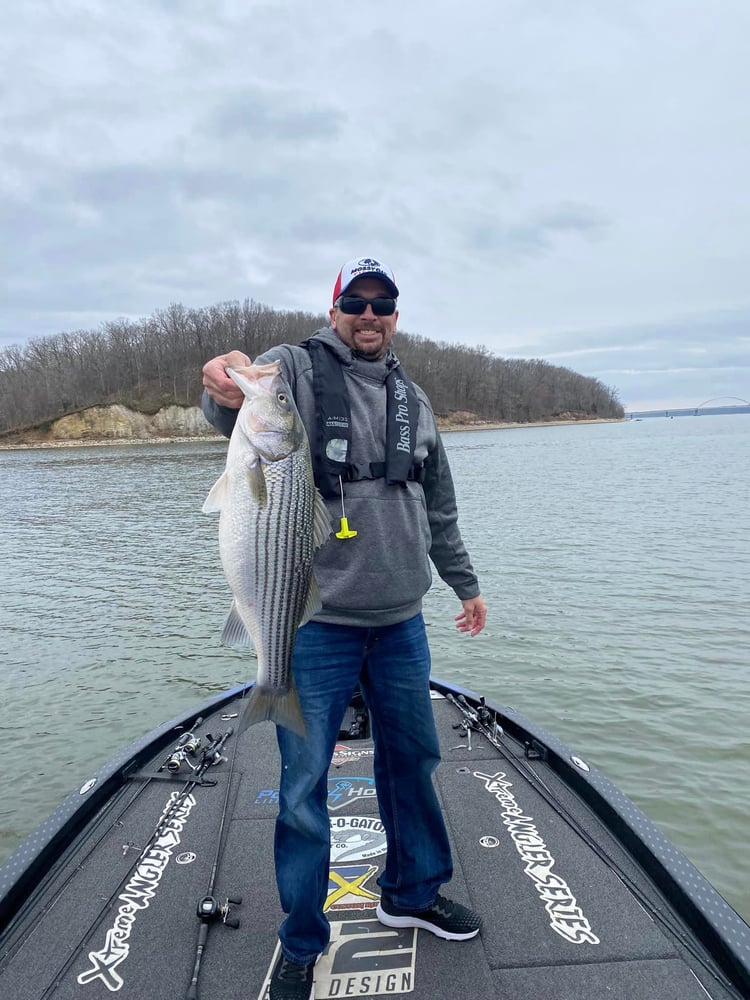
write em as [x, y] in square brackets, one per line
[380, 464]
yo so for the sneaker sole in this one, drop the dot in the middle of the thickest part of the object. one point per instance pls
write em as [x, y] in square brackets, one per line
[390, 921]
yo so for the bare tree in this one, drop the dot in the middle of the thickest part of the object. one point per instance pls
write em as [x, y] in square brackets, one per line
[157, 360]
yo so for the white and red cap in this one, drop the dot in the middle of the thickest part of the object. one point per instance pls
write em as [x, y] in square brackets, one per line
[364, 267]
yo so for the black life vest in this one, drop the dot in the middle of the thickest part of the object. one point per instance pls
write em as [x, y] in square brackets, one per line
[331, 448]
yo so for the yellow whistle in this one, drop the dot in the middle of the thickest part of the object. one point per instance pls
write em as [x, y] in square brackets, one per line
[345, 532]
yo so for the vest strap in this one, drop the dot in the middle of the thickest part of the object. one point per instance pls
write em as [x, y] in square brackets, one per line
[331, 449]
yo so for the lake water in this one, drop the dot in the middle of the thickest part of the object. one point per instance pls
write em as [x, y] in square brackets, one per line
[615, 560]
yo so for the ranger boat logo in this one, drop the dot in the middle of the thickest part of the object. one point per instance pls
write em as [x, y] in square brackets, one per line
[566, 916]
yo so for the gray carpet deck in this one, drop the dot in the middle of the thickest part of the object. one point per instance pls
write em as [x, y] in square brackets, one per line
[560, 921]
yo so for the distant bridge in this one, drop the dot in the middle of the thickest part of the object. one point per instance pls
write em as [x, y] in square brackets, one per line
[707, 408]
[716, 399]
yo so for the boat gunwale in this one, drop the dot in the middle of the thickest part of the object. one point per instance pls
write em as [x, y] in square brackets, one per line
[24, 870]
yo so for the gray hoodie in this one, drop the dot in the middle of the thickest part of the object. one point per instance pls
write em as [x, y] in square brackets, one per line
[380, 576]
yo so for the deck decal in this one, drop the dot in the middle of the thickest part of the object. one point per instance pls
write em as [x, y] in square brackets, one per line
[267, 797]
[364, 958]
[356, 838]
[346, 888]
[346, 791]
[489, 841]
[137, 894]
[566, 917]
[341, 792]
[343, 754]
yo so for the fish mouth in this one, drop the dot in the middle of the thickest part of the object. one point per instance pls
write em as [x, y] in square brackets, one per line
[256, 373]
[262, 375]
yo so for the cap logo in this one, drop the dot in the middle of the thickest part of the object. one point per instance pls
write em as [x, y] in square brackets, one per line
[368, 264]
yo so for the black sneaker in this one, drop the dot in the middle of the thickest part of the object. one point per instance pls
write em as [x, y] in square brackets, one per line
[290, 981]
[445, 918]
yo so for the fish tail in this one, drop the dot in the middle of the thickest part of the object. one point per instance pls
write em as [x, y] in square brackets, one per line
[279, 706]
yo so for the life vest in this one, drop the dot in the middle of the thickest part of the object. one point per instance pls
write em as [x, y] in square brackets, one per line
[331, 448]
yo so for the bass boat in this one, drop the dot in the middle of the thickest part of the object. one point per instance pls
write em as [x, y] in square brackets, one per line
[154, 879]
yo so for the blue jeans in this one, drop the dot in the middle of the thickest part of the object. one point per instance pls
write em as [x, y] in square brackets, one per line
[392, 665]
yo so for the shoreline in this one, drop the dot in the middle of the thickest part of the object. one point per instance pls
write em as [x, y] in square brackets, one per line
[448, 428]
[443, 428]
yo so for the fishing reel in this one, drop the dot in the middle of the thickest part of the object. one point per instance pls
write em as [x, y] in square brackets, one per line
[187, 746]
[210, 910]
[211, 755]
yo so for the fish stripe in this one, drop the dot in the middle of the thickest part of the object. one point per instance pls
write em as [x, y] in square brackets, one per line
[283, 551]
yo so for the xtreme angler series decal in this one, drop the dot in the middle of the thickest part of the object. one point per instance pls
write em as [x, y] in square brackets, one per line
[137, 894]
[566, 916]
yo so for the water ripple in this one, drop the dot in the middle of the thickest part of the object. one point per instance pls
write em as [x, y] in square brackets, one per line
[615, 559]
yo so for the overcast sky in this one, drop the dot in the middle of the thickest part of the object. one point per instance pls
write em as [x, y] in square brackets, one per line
[566, 179]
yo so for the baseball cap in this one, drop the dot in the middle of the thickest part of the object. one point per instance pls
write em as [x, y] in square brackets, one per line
[364, 267]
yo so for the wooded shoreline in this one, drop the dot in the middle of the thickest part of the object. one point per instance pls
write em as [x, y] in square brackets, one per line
[443, 427]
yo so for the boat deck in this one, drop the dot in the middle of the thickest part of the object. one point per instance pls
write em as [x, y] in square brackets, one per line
[568, 913]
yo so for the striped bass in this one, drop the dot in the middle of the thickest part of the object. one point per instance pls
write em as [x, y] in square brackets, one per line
[272, 521]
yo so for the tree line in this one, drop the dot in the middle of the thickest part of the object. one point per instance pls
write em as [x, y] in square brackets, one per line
[149, 363]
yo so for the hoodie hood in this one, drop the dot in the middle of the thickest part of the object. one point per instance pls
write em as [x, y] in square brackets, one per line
[375, 370]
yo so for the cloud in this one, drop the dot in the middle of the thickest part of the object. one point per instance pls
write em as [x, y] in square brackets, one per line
[552, 181]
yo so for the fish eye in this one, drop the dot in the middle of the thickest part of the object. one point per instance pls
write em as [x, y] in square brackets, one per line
[282, 397]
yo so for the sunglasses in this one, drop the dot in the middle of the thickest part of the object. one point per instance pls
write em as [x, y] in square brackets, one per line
[355, 305]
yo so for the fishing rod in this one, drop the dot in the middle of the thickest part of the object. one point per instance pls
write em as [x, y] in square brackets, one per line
[210, 910]
[211, 756]
[480, 719]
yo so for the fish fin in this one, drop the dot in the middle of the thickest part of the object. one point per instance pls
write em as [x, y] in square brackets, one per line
[313, 603]
[235, 631]
[281, 707]
[257, 483]
[321, 521]
[217, 495]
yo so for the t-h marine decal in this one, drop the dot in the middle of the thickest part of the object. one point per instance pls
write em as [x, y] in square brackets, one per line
[566, 916]
[137, 894]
